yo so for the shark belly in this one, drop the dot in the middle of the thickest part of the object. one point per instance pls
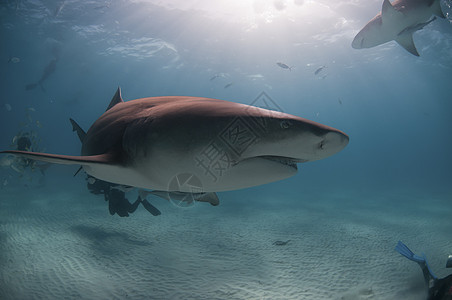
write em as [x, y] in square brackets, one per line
[164, 173]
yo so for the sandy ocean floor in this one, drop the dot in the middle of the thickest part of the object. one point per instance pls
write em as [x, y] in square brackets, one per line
[57, 243]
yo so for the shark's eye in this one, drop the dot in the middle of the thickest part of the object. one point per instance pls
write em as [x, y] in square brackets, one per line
[285, 124]
[321, 145]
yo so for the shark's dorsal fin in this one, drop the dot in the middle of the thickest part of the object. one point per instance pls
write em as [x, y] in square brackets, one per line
[406, 41]
[388, 12]
[116, 99]
[436, 8]
[80, 132]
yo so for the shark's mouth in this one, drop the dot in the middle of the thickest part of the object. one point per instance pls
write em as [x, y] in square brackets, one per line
[288, 161]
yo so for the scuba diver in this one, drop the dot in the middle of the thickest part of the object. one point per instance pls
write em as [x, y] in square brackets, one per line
[113, 193]
[438, 289]
[25, 141]
[116, 197]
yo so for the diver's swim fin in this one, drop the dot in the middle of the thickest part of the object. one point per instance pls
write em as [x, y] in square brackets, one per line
[405, 251]
[421, 260]
[150, 208]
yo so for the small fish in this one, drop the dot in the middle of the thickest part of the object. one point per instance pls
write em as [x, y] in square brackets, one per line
[31, 109]
[14, 60]
[228, 85]
[284, 66]
[48, 70]
[8, 107]
[106, 5]
[217, 76]
[5, 182]
[319, 70]
[214, 77]
[38, 124]
[59, 9]
[91, 180]
[281, 243]
[340, 101]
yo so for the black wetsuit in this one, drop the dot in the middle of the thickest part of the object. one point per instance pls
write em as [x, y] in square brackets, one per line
[23, 144]
[441, 289]
[117, 201]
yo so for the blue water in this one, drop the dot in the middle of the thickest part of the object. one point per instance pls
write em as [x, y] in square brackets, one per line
[397, 168]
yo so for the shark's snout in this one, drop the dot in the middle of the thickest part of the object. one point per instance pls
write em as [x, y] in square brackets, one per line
[358, 42]
[332, 142]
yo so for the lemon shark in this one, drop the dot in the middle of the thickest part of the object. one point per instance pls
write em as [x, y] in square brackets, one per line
[146, 143]
[398, 21]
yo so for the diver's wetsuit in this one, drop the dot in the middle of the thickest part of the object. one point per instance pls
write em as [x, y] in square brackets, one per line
[118, 203]
[438, 289]
[441, 289]
[23, 144]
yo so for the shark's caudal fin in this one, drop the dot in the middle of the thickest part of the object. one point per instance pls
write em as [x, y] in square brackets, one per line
[64, 159]
[116, 98]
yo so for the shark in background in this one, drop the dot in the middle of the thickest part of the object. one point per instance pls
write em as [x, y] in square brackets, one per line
[398, 21]
[48, 70]
[150, 143]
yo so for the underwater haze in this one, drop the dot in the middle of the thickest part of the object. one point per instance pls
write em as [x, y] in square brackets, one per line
[328, 232]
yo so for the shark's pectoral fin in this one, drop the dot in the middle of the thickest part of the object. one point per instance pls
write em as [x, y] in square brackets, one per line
[406, 41]
[65, 159]
[436, 8]
[389, 13]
